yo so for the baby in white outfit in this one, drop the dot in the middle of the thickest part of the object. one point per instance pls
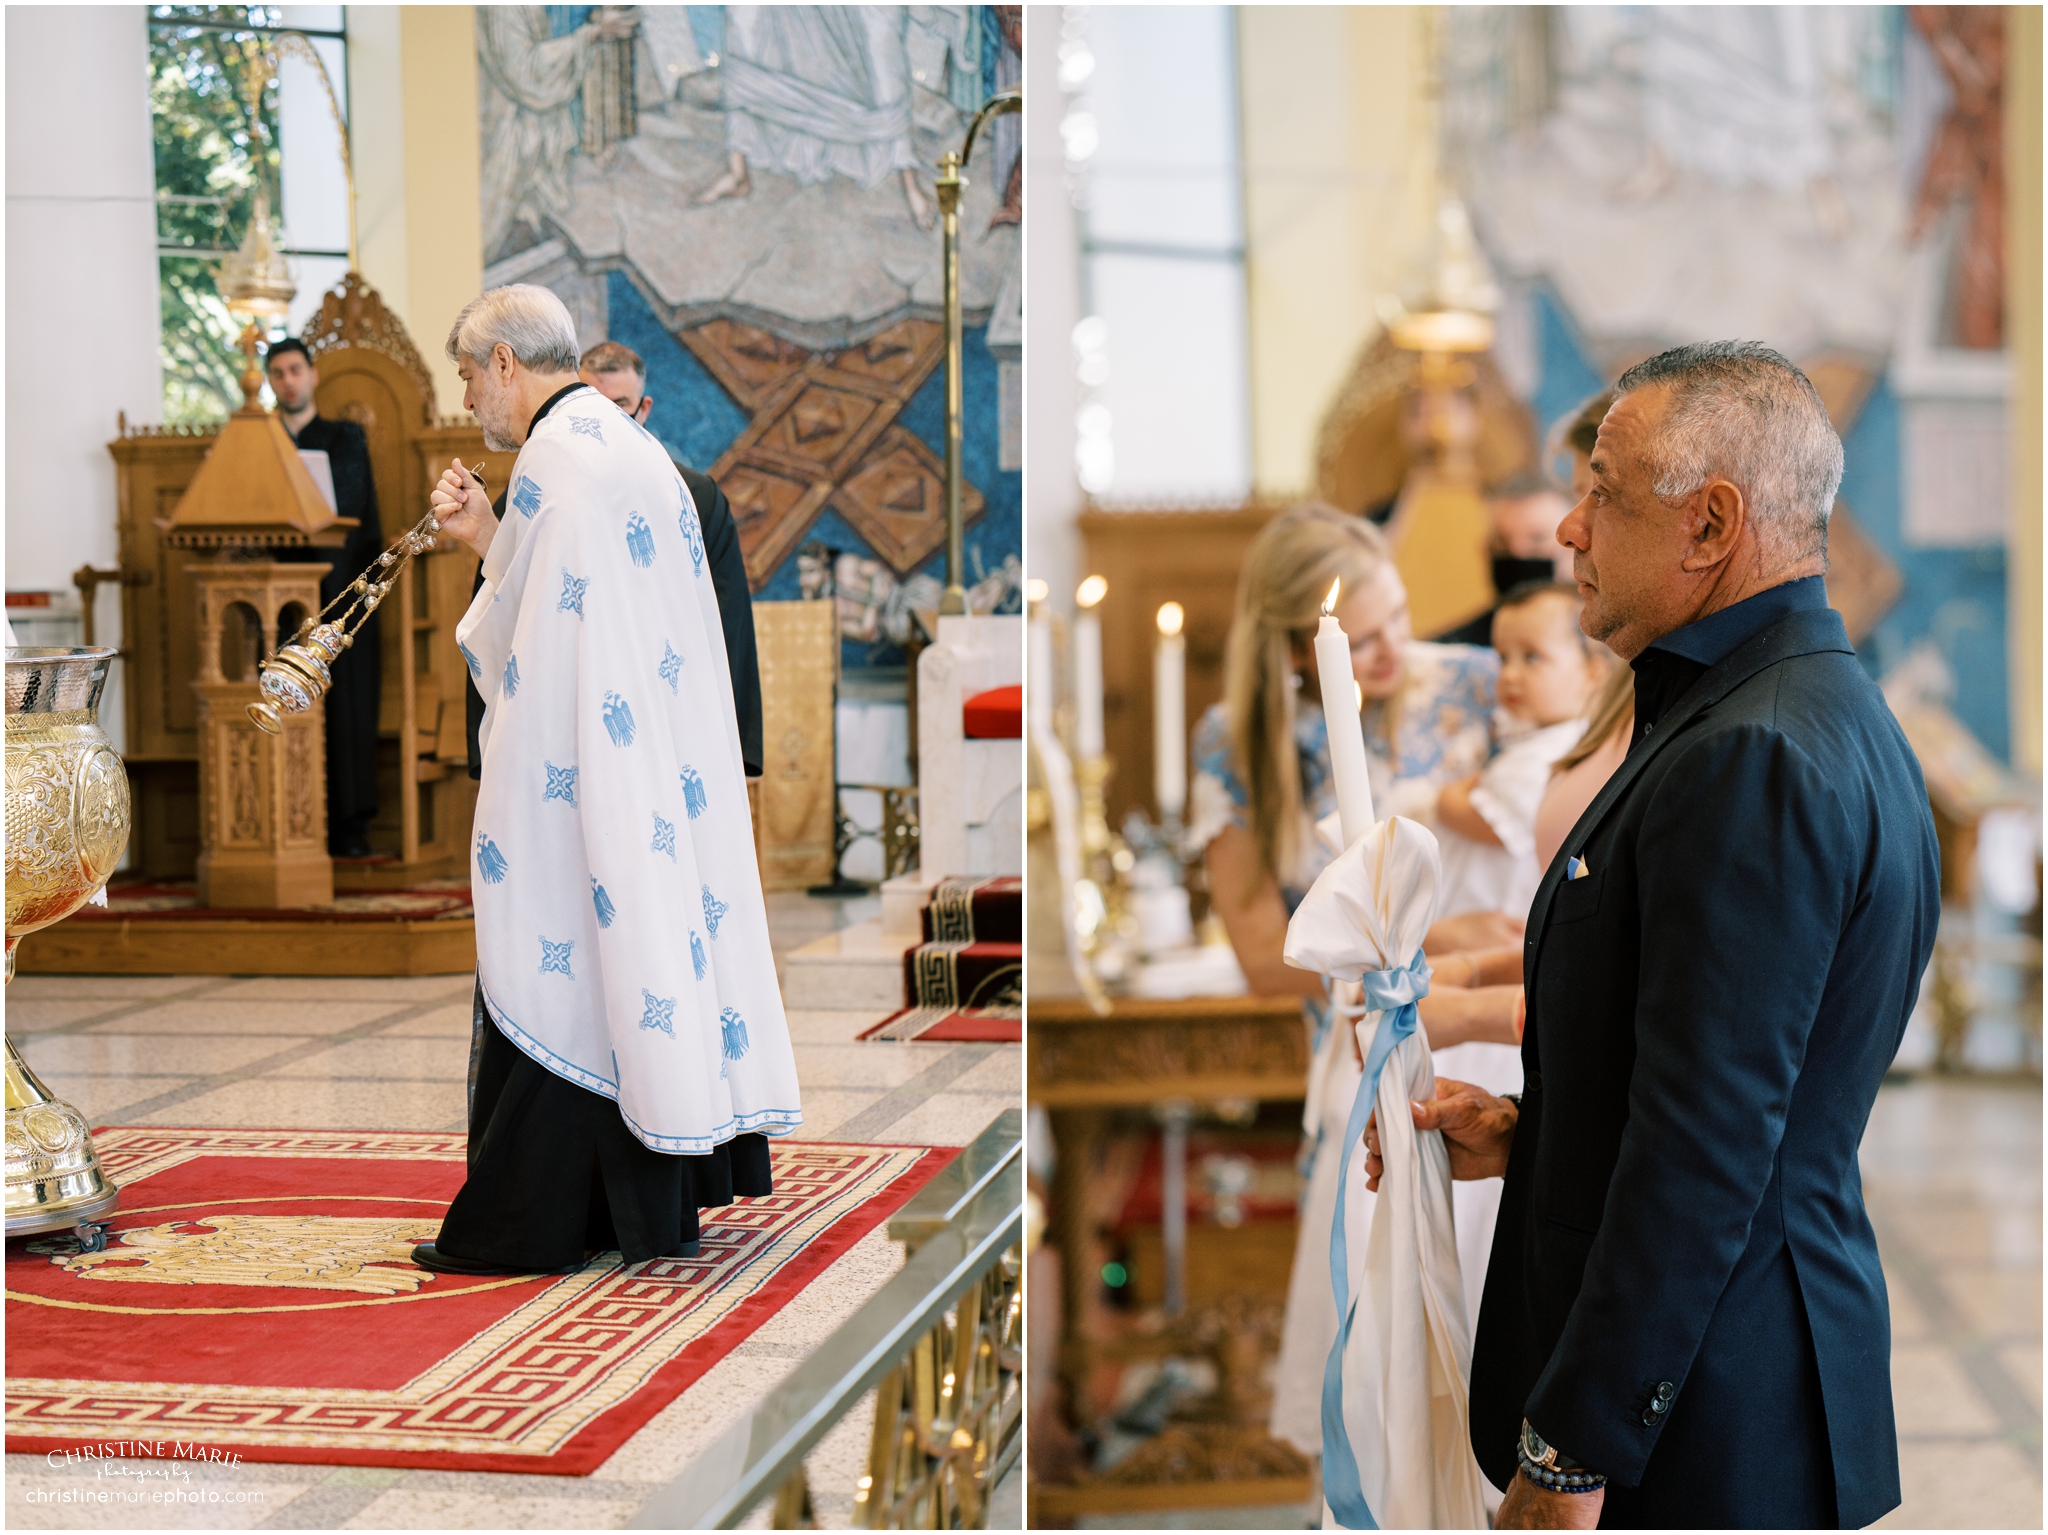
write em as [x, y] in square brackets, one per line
[1550, 675]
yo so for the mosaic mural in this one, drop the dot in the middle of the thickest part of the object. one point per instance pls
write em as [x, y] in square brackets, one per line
[1819, 178]
[743, 196]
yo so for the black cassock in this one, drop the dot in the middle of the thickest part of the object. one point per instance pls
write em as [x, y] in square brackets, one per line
[553, 1170]
[359, 673]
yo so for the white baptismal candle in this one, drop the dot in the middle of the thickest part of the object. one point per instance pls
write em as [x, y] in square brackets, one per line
[1039, 682]
[1170, 715]
[1346, 728]
[1088, 669]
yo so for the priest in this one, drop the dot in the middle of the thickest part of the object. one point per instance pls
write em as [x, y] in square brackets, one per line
[633, 1057]
[359, 674]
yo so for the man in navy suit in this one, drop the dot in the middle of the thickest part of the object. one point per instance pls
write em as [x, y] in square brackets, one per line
[1685, 1322]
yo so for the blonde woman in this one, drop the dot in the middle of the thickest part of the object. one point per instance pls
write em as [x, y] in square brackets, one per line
[1581, 772]
[1262, 780]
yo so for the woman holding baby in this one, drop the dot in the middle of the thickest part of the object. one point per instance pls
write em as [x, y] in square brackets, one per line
[1459, 738]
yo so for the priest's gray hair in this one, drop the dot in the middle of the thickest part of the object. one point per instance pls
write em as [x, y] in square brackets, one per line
[1741, 412]
[529, 319]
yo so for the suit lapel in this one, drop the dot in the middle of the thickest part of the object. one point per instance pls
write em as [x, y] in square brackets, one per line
[1810, 631]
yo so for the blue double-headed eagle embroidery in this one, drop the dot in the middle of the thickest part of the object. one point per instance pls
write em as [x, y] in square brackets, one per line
[618, 719]
[695, 800]
[490, 863]
[526, 497]
[605, 909]
[699, 960]
[733, 1031]
[511, 675]
[476, 667]
[639, 541]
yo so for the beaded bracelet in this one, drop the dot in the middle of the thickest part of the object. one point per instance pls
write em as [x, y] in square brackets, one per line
[1560, 1481]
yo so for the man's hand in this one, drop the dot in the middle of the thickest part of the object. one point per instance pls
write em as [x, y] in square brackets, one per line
[1529, 1507]
[1474, 930]
[1478, 1129]
[463, 509]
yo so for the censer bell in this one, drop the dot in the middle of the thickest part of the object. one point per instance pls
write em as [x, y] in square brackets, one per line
[67, 825]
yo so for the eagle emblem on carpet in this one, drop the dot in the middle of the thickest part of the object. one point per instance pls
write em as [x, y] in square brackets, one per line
[287, 1252]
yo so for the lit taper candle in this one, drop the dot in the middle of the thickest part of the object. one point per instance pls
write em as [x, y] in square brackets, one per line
[1345, 727]
[1088, 668]
[1170, 715]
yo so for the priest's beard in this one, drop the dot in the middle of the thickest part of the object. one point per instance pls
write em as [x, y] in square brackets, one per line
[498, 416]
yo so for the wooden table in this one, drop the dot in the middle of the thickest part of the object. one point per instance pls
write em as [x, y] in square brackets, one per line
[1146, 1052]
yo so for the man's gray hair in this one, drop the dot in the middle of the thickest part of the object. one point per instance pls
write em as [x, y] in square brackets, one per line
[529, 319]
[1741, 412]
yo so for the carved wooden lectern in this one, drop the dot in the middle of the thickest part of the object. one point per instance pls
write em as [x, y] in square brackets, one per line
[264, 810]
[371, 374]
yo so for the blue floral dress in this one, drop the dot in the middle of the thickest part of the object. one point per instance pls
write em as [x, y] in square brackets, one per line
[1438, 729]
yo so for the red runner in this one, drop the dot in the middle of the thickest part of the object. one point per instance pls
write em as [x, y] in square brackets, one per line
[257, 1296]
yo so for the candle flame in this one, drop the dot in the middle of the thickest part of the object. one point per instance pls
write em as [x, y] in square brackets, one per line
[1330, 602]
[1036, 590]
[1171, 617]
[1091, 591]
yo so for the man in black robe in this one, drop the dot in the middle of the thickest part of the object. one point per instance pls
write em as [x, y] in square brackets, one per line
[359, 674]
[617, 373]
[1522, 514]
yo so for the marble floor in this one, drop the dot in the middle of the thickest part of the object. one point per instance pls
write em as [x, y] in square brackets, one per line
[393, 1054]
[1952, 1173]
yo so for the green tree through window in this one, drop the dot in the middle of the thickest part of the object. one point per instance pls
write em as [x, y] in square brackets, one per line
[214, 146]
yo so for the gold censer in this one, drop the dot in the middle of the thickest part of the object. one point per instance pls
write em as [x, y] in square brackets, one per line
[301, 672]
[67, 826]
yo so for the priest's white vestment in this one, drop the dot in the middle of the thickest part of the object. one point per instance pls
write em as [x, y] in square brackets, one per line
[622, 938]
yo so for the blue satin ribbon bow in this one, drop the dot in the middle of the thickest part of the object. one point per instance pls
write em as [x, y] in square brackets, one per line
[1393, 993]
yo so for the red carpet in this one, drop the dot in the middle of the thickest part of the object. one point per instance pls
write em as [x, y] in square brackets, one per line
[257, 1297]
[178, 900]
[953, 1025]
[966, 980]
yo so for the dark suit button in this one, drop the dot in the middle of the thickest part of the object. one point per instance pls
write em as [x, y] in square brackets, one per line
[1665, 1393]
[1659, 1405]
[1649, 1420]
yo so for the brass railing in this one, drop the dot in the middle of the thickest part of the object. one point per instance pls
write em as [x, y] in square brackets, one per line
[943, 1340]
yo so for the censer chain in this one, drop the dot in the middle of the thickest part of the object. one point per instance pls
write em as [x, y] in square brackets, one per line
[299, 675]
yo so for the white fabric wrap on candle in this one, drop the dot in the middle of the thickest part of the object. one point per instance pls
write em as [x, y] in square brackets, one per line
[1407, 1353]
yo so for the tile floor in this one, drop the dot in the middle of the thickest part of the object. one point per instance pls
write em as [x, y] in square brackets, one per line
[393, 1054]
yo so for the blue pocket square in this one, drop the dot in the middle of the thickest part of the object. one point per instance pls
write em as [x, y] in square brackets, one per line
[1576, 868]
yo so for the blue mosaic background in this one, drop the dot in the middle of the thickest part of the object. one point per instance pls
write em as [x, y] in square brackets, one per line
[696, 420]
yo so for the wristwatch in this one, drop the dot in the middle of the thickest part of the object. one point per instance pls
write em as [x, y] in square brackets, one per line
[1545, 1465]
